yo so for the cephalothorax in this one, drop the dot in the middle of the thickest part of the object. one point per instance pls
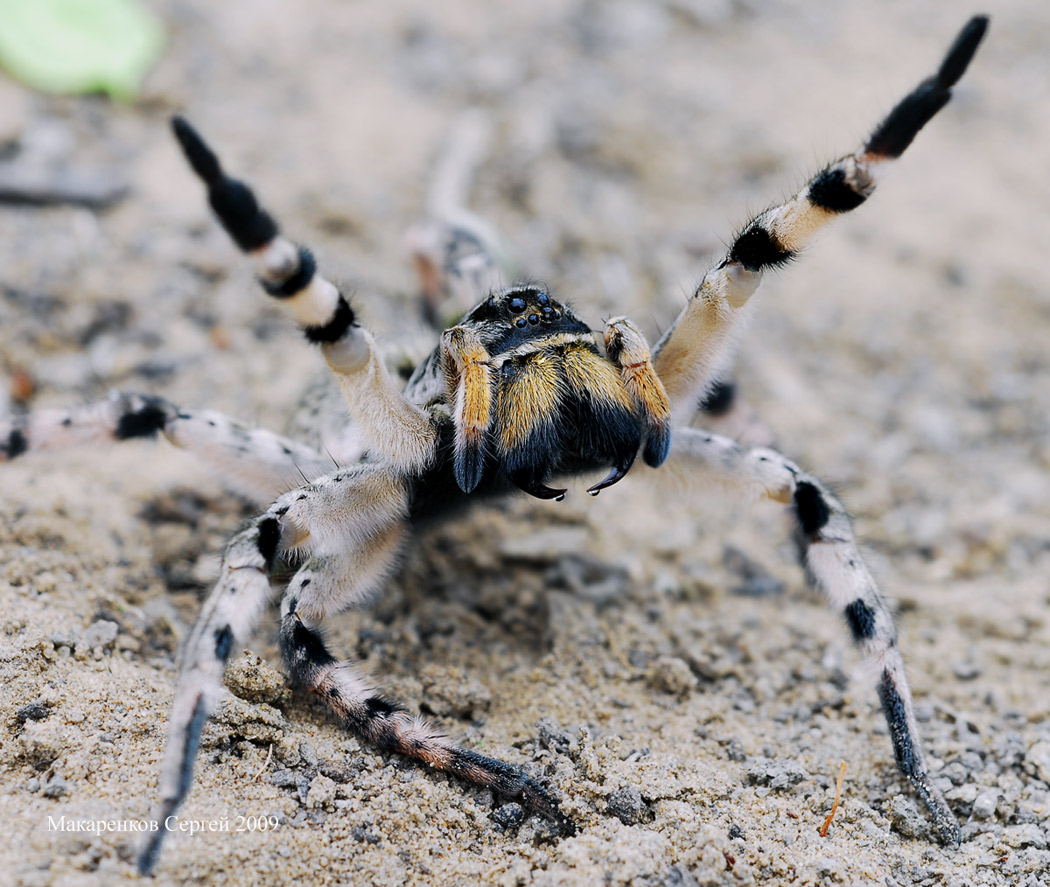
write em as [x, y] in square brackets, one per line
[517, 393]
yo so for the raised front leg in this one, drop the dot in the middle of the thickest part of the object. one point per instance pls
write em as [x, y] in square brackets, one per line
[396, 430]
[696, 349]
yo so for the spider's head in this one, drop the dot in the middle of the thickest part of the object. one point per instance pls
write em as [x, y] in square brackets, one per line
[526, 312]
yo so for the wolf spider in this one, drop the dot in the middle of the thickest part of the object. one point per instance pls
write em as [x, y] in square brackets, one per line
[520, 390]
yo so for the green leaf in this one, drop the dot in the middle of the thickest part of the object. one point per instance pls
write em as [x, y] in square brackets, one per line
[79, 46]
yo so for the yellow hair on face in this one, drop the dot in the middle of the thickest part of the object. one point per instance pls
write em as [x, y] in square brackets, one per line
[530, 398]
[591, 373]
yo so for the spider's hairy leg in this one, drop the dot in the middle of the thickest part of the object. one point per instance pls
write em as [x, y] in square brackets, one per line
[386, 725]
[626, 347]
[349, 527]
[358, 510]
[833, 563]
[692, 355]
[469, 375]
[395, 429]
[254, 462]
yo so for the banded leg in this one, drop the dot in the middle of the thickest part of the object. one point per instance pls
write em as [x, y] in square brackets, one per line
[694, 352]
[397, 430]
[834, 564]
[387, 726]
[357, 510]
[254, 462]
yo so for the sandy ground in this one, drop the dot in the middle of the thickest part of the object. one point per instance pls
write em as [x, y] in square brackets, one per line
[693, 726]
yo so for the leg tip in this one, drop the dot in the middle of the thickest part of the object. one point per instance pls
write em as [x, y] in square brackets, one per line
[962, 51]
[200, 157]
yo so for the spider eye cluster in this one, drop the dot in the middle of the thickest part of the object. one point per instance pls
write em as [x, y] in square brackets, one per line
[531, 308]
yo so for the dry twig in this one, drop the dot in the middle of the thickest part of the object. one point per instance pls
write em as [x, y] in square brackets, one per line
[835, 805]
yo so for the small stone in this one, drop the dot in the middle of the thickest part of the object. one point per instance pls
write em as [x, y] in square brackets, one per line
[56, 787]
[553, 737]
[364, 836]
[985, 803]
[1038, 757]
[283, 778]
[508, 816]
[253, 679]
[906, 818]
[321, 792]
[778, 775]
[966, 670]
[32, 784]
[35, 711]
[672, 675]
[1027, 835]
[626, 804]
[256, 723]
[287, 751]
[307, 753]
[98, 634]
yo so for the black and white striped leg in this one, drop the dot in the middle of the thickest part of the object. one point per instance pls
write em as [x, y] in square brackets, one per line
[226, 621]
[398, 431]
[256, 463]
[359, 510]
[694, 352]
[388, 727]
[833, 562]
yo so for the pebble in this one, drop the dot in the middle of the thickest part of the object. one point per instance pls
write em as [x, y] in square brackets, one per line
[626, 805]
[553, 737]
[35, 711]
[905, 817]
[1027, 835]
[672, 675]
[98, 634]
[777, 775]
[1038, 756]
[56, 787]
[321, 792]
[966, 670]
[509, 815]
[984, 804]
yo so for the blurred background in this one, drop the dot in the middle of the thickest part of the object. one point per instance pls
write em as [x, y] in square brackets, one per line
[904, 359]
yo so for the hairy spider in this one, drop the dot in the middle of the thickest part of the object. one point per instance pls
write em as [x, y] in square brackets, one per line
[516, 393]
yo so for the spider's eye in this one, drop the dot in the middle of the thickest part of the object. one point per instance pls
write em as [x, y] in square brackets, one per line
[534, 318]
[521, 323]
[543, 298]
[546, 309]
[517, 305]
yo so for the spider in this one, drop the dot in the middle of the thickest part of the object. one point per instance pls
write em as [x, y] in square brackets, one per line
[518, 392]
